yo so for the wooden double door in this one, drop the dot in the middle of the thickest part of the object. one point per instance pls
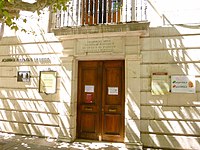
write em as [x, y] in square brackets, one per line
[100, 108]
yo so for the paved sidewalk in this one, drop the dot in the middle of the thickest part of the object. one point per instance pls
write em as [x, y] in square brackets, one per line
[17, 142]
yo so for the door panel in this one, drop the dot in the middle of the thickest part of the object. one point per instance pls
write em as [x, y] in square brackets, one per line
[115, 121]
[112, 83]
[88, 100]
[101, 100]
[113, 101]
[88, 125]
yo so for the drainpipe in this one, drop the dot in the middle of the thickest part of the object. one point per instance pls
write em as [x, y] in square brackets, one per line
[1, 29]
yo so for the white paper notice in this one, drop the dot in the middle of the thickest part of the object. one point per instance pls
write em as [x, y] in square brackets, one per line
[89, 88]
[183, 84]
[112, 90]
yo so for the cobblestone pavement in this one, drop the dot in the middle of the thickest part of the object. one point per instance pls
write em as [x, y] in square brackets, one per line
[17, 142]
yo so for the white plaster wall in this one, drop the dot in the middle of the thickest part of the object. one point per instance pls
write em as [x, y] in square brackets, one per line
[167, 13]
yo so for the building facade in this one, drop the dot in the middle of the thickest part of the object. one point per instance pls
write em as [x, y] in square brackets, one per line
[127, 74]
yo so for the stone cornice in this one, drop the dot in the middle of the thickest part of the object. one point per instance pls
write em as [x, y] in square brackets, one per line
[138, 28]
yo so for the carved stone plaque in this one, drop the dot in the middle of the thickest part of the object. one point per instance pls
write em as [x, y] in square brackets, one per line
[99, 45]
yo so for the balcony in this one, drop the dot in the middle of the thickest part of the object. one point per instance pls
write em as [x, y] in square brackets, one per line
[97, 16]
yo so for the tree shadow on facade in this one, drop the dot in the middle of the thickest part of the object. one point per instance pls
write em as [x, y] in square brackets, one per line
[23, 108]
[172, 118]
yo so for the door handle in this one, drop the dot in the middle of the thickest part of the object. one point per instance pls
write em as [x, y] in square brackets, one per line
[88, 108]
[112, 109]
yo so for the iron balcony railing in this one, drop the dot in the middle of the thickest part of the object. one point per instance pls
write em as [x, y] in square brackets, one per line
[93, 12]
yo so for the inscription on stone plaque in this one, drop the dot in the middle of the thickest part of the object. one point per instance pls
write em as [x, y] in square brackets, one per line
[98, 45]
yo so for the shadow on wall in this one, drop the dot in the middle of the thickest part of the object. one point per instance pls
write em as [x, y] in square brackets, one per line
[23, 110]
[171, 120]
[132, 127]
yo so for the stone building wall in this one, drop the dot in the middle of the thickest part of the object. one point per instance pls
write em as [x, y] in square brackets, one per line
[159, 121]
[114, 46]
[171, 120]
[23, 110]
[26, 111]
[170, 45]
